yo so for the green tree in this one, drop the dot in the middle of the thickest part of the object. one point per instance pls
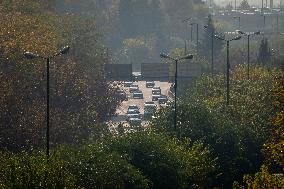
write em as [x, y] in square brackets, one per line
[165, 161]
[271, 173]
[81, 97]
[236, 132]
[244, 5]
[264, 52]
[207, 40]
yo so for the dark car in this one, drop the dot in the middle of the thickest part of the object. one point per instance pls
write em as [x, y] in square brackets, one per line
[121, 95]
[163, 99]
[150, 84]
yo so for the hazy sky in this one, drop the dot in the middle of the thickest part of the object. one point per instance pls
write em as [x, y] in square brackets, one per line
[251, 2]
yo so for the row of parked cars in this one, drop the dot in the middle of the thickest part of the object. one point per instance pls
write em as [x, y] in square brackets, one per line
[156, 93]
[134, 90]
[133, 112]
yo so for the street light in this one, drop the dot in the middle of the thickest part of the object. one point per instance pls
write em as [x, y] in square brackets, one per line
[186, 21]
[30, 55]
[248, 56]
[212, 48]
[187, 57]
[228, 65]
[197, 30]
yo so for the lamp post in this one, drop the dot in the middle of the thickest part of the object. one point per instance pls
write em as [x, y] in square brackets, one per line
[228, 65]
[212, 48]
[30, 55]
[191, 29]
[197, 30]
[248, 56]
[187, 57]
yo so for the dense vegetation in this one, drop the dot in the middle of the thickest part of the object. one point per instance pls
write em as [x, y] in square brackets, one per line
[80, 96]
[236, 133]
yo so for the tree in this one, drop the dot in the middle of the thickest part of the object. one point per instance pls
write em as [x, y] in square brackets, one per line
[244, 5]
[165, 161]
[81, 99]
[236, 132]
[271, 172]
[207, 40]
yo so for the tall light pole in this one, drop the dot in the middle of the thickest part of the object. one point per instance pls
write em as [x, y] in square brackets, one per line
[191, 29]
[187, 57]
[248, 34]
[197, 36]
[228, 65]
[212, 48]
[30, 55]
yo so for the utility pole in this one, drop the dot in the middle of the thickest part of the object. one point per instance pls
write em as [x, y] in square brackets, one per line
[228, 65]
[248, 48]
[187, 57]
[30, 55]
[212, 52]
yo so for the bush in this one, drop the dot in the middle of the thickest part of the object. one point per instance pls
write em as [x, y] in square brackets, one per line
[235, 132]
[94, 167]
[165, 161]
[33, 171]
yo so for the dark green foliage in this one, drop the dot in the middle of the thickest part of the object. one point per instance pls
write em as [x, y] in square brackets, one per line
[80, 97]
[31, 171]
[95, 167]
[138, 160]
[264, 52]
[165, 161]
[236, 132]
[206, 42]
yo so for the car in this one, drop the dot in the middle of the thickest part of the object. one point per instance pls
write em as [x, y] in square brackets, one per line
[133, 88]
[156, 92]
[132, 111]
[150, 84]
[136, 76]
[138, 95]
[148, 114]
[135, 119]
[157, 88]
[155, 97]
[163, 99]
[149, 103]
[134, 85]
[149, 109]
[121, 94]
[133, 107]
[127, 83]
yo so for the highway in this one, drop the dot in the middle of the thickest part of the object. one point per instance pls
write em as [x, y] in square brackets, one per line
[147, 94]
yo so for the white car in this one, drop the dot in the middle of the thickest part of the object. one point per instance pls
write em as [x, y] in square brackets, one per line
[155, 97]
[133, 107]
[133, 88]
[127, 83]
[163, 99]
[135, 119]
[156, 91]
[132, 111]
[138, 95]
[150, 84]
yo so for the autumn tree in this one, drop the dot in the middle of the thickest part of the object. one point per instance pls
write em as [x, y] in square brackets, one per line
[81, 99]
